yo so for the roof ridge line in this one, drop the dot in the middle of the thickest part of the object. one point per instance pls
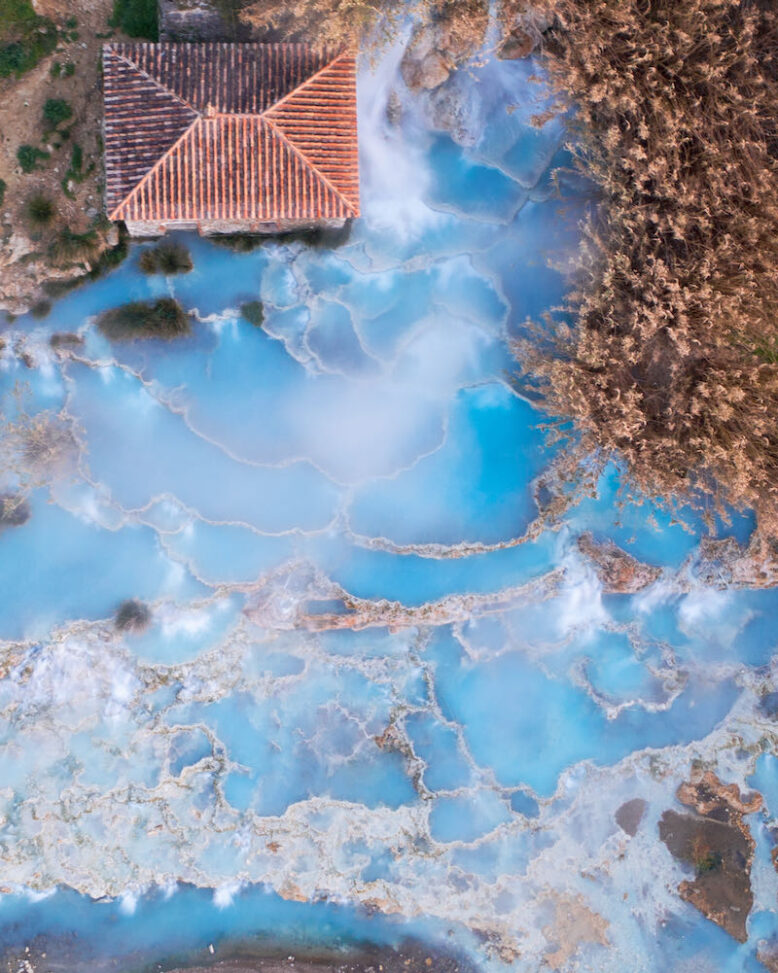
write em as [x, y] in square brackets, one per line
[303, 84]
[307, 162]
[153, 169]
[156, 82]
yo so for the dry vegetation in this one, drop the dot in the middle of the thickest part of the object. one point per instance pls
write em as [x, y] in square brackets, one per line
[668, 354]
[357, 22]
[333, 22]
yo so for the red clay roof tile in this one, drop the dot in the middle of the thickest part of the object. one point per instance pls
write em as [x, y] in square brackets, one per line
[230, 132]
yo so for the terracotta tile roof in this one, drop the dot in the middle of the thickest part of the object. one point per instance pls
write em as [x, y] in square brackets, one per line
[238, 132]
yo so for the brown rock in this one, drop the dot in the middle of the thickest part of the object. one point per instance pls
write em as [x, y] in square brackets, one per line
[717, 842]
[630, 814]
[427, 72]
[619, 572]
[523, 24]
[516, 45]
[455, 31]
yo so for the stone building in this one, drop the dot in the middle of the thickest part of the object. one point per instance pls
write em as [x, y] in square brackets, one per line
[229, 138]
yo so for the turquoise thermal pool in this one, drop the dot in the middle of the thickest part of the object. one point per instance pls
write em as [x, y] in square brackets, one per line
[383, 694]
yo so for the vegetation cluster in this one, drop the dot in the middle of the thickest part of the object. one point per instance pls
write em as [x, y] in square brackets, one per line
[136, 18]
[162, 318]
[253, 312]
[25, 37]
[666, 354]
[168, 257]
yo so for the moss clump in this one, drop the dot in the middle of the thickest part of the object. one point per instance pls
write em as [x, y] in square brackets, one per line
[659, 360]
[168, 258]
[132, 616]
[253, 312]
[39, 210]
[136, 18]
[28, 157]
[163, 318]
[72, 248]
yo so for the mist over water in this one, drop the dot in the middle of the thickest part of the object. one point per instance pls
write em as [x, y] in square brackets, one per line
[378, 697]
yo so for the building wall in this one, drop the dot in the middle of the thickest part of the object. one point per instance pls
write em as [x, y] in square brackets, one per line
[215, 227]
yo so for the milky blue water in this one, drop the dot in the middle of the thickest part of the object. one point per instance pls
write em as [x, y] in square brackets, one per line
[380, 695]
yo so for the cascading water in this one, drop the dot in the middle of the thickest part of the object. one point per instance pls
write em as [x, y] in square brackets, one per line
[379, 696]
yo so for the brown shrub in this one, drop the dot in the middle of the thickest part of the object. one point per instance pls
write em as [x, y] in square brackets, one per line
[669, 357]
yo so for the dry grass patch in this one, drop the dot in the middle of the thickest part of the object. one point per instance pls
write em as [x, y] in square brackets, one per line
[667, 356]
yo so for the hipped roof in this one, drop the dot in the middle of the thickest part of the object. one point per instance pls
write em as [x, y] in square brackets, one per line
[244, 132]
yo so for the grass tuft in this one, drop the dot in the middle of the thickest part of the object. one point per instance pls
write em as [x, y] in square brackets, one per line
[168, 258]
[162, 318]
[39, 209]
[132, 616]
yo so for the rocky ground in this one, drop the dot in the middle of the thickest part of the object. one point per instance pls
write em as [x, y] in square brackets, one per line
[71, 241]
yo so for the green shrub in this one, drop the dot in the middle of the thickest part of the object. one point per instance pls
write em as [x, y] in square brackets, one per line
[55, 70]
[25, 37]
[163, 318]
[70, 69]
[28, 156]
[136, 18]
[168, 258]
[39, 209]
[55, 111]
[253, 312]
[3, 187]
[75, 171]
